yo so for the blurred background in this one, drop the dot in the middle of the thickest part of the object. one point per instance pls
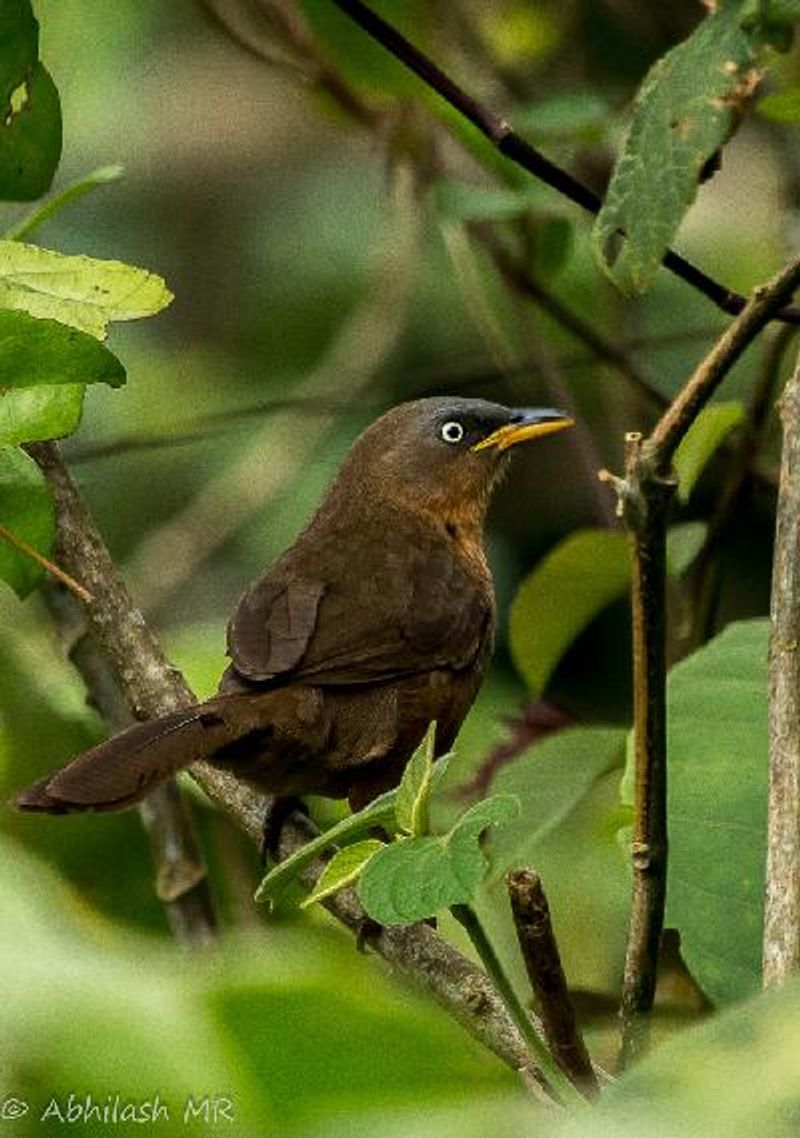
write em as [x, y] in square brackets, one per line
[327, 262]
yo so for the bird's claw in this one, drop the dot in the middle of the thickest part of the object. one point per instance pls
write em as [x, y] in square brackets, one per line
[275, 815]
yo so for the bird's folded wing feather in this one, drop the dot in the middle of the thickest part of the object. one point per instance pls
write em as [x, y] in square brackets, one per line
[408, 614]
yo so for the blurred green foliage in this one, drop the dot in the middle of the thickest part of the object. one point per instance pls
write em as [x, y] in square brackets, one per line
[267, 208]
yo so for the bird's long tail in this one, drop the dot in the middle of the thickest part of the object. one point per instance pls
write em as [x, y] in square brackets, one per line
[122, 770]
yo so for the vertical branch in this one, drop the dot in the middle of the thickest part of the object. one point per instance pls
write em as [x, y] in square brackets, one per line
[543, 964]
[782, 908]
[646, 506]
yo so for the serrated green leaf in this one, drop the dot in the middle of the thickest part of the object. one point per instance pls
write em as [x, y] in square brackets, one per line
[413, 793]
[717, 751]
[415, 878]
[704, 437]
[31, 414]
[684, 542]
[80, 291]
[34, 352]
[26, 509]
[684, 112]
[562, 595]
[30, 110]
[343, 869]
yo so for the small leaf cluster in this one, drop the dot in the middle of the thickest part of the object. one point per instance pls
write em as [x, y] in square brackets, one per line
[54, 309]
[417, 874]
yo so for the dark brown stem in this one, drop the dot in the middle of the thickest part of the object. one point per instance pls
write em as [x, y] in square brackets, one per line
[646, 501]
[503, 136]
[740, 333]
[151, 686]
[543, 963]
[782, 908]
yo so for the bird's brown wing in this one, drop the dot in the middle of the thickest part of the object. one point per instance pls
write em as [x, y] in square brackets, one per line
[417, 607]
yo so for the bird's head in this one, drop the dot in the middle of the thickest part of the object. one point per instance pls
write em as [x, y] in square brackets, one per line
[443, 455]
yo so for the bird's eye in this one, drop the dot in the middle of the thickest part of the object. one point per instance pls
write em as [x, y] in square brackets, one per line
[452, 432]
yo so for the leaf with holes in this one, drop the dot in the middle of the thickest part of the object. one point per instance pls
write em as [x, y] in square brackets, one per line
[685, 110]
[30, 111]
[26, 509]
[80, 291]
[415, 878]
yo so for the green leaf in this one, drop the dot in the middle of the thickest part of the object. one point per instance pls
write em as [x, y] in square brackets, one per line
[552, 245]
[413, 794]
[26, 509]
[462, 201]
[684, 112]
[80, 291]
[704, 437]
[549, 779]
[34, 352]
[380, 812]
[343, 869]
[684, 542]
[734, 1076]
[30, 111]
[782, 106]
[581, 113]
[415, 878]
[717, 747]
[31, 414]
[566, 590]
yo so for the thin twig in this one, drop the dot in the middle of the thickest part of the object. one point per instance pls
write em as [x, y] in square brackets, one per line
[506, 140]
[542, 959]
[782, 908]
[152, 686]
[48, 565]
[645, 495]
[559, 1082]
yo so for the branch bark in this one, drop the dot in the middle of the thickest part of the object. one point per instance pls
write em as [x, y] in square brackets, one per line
[506, 140]
[539, 949]
[151, 686]
[782, 908]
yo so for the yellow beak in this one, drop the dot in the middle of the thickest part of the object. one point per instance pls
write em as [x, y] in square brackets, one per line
[536, 425]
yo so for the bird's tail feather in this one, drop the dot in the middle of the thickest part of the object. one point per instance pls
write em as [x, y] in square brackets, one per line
[122, 770]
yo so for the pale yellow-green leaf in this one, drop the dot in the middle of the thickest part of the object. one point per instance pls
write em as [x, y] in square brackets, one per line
[343, 869]
[80, 291]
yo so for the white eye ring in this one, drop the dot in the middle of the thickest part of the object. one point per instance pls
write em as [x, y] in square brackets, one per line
[452, 432]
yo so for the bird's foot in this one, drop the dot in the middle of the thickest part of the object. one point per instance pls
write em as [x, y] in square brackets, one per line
[367, 930]
[274, 817]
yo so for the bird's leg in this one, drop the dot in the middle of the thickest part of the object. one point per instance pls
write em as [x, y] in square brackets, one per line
[279, 808]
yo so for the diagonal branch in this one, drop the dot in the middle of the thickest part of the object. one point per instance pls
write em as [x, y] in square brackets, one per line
[506, 140]
[151, 686]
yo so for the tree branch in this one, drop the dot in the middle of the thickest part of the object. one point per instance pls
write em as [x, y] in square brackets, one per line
[539, 949]
[151, 686]
[505, 139]
[782, 908]
[645, 495]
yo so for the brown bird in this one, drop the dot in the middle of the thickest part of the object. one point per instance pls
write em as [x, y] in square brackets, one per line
[378, 620]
